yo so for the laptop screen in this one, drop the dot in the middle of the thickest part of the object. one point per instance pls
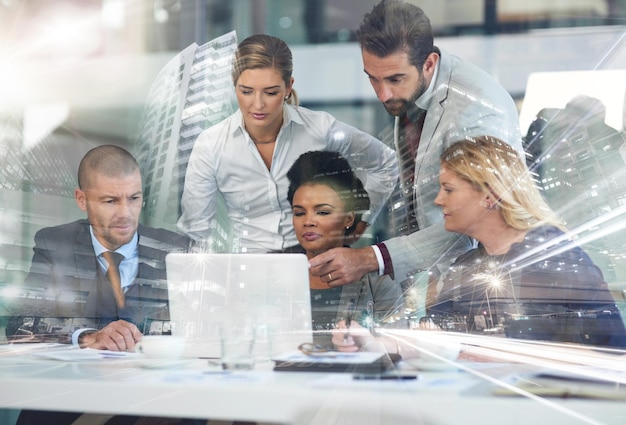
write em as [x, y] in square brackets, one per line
[272, 290]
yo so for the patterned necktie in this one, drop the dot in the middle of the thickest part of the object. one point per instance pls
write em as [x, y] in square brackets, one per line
[113, 274]
[412, 125]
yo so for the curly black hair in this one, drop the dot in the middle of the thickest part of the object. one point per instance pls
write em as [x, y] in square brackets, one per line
[333, 170]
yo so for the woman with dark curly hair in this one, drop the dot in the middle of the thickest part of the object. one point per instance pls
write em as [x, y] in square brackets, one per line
[327, 200]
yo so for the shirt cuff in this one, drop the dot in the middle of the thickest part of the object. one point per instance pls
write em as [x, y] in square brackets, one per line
[77, 334]
[367, 216]
[386, 267]
[379, 258]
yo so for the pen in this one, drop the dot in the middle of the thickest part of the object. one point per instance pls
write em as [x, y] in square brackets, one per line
[373, 376]
[351, 309]
[114, 353]
[370, 317]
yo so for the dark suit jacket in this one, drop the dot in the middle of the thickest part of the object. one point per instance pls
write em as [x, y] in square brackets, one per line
[65, 281]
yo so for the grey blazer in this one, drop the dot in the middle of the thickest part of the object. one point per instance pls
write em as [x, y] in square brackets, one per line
[466, 102]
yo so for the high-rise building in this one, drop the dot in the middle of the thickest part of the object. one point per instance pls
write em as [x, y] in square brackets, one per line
[192, 92]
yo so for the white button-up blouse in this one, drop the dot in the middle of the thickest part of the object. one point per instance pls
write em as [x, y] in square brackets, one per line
[225, 161]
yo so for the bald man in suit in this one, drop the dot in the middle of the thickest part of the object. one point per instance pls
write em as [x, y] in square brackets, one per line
[108, 269]
[70, 261]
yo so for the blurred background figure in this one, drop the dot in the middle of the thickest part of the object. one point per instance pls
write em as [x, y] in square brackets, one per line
[578, 162]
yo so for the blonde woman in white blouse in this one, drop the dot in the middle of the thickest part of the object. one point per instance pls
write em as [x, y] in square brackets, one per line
[245, 158]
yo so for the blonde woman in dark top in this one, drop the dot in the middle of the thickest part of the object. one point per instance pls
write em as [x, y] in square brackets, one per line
[527, 278]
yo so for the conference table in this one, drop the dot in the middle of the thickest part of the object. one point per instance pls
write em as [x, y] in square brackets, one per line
[492, 381]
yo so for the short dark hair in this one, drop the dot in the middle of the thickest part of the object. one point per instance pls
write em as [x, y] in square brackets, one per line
[330, 169]
[108, 160]
[395, 26]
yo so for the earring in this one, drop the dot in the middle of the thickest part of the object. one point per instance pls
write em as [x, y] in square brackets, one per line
[484, 204]
[347, 227]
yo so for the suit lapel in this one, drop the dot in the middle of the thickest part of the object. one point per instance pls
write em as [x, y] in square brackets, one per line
[435, 110]
[87, 264]
[430, 147]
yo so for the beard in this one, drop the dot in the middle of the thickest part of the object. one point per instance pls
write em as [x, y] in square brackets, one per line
[399, 106]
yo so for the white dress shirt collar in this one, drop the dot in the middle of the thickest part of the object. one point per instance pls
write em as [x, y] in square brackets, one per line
[423, 101]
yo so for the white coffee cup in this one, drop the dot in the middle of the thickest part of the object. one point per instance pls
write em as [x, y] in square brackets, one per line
[439, 351]
[432, 350]
[161, 346]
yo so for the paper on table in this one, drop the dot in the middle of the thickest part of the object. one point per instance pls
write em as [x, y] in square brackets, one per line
[27, 348]
[565, 385]
[72, 353]
[330, 357]
[194, 376]
[347, 381]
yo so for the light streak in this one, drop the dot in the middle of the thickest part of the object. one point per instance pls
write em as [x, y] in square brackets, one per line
[582, 362]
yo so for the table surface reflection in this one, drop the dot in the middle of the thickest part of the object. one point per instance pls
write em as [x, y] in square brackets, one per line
[469, 392]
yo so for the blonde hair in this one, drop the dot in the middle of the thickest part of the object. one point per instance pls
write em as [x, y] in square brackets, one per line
[494, 167]
[262, 51]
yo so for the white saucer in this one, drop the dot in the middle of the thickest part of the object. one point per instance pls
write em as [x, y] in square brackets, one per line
[432, 366]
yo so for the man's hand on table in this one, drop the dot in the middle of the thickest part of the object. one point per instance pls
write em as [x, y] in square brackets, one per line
[116, 336]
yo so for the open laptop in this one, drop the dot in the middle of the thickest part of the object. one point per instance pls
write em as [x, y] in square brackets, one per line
[272, 290]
